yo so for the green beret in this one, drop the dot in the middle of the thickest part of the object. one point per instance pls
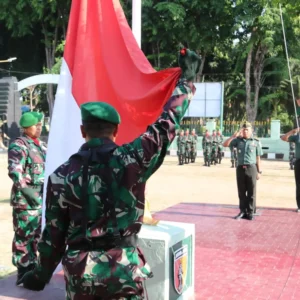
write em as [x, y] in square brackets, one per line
[28, 120]
[95, 111]
[38, 115]
[247, 125]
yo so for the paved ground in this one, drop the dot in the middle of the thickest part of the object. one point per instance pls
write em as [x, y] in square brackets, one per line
[235, 259]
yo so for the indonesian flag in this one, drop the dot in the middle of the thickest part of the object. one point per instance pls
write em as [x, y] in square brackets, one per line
[103, 62]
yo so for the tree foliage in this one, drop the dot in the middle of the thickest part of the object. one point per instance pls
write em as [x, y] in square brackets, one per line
[240, 42]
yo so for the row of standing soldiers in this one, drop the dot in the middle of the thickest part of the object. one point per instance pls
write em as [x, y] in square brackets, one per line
[212, 147]
[187, 146]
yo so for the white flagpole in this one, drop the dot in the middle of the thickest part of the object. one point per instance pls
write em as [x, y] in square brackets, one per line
[137, 20]
[289, 68]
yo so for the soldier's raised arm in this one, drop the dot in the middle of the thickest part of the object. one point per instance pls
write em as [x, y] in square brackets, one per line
[290, 136]
[151, 147]
[228, 143]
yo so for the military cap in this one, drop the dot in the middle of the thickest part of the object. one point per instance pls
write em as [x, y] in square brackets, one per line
[28, 120]
[246, 125]
[95, 111]
[38, 115]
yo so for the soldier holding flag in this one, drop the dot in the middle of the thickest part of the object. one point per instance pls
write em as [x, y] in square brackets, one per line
[95, 200]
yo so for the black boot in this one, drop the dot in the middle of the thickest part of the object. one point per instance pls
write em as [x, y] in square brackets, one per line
[22, 271]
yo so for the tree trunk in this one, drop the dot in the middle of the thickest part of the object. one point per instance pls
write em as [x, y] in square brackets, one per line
[50, 99]
[158, 55]
[50, 48]
[199, 75]
[31, 90]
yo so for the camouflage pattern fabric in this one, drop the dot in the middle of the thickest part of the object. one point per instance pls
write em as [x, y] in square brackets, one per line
[292, 155]
[219, 140]
[26, 169]
[194, 141]
[181, 145]
[116, 272]
[207, 147]
[27, 228]
[181, 149]
[188, 144]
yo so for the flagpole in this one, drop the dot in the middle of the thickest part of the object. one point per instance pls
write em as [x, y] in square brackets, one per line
[289, 68]
[137, 20]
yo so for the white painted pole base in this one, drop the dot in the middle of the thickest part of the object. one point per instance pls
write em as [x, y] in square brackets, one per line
[169, 248]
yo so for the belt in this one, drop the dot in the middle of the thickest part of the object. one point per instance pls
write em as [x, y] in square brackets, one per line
[246, 166]
[106, 243]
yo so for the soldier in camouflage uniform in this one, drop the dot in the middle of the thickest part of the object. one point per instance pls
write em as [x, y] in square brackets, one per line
[26, 159]
[292, 156]
[233, 155]
[188, 146]
[181, 147]
[206, 146]
[95, 203]
[219, 140]
[214, 148]
[194, 141]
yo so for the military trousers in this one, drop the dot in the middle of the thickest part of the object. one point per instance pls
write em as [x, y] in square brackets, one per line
[297, 179]
[246, 184]
[27, 228]
[102, 292]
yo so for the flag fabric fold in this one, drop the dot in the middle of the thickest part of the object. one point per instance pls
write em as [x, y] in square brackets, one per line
[103, 62]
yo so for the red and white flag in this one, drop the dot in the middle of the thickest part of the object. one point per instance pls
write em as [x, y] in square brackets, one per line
[103, 62]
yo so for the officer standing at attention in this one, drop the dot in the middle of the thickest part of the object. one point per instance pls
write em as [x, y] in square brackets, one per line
[188, 146]
[248, 169]
[26, 165]
[206, 146]
[181, 147]
[95, 201]
[293, 136]
[194, 142]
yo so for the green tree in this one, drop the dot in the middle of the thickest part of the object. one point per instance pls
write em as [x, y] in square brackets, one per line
[22, 16]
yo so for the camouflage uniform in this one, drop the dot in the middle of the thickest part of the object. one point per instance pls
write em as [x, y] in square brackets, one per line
[214, 149]
[206, 146]
[181, 148]
[292, 157]
[188, 147]
[220, 146]
[233, 157]
[26, 169]
[194, 142]
[111, 272]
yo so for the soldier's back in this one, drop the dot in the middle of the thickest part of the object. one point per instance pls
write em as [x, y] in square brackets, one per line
[117, 178]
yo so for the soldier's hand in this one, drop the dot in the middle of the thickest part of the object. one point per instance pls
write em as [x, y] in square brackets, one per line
[257, 176]
[296, 130]
[32, 282]
[237, 133]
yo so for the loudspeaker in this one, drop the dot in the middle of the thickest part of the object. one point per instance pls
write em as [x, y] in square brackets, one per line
[10, 106]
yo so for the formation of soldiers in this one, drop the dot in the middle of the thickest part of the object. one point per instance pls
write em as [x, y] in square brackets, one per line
[212, 148]
[187, 147]
[211, 145]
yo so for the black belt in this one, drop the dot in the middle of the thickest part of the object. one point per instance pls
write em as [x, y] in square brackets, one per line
[246, 166]
[106, 243]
